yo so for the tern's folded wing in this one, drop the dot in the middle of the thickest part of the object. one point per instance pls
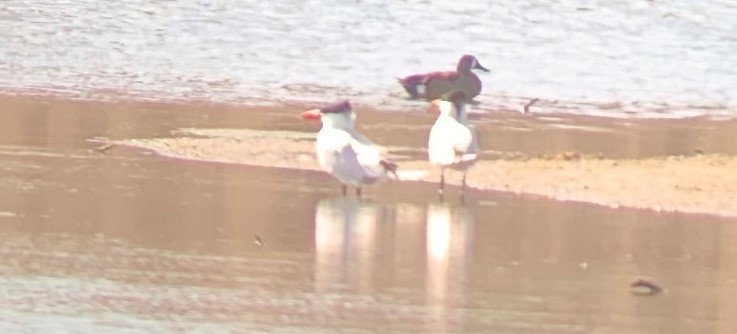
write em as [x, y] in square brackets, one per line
[368, 156]
[330, 144]
[463, 139]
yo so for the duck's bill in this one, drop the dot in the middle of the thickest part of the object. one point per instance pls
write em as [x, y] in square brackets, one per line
[312, 114]
[481, 67]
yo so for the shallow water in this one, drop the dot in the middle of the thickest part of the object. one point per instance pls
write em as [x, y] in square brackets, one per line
[625, 58]
[129, 242]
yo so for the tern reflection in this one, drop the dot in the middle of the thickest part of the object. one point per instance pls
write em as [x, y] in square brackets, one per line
[449, 242]
[345, 236]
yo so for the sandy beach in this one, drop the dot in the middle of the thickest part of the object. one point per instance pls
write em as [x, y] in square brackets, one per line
[683, 165]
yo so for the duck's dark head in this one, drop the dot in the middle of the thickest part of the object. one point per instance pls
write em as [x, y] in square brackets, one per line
[470, 62]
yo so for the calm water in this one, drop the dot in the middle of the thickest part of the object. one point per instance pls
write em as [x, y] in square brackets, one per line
[633, 57]
[129, 242]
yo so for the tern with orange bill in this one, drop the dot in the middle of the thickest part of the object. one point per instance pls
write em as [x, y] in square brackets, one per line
[453, 143]
[345, 153]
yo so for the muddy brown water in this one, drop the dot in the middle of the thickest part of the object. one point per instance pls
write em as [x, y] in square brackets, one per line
[127, 241]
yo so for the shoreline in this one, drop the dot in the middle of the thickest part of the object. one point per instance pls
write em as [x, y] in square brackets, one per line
[506, 104]
[683, 165]
[668, 188]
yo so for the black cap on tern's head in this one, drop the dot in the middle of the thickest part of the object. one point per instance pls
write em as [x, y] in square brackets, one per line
[336, 107]
[457, 96]
[333, 108]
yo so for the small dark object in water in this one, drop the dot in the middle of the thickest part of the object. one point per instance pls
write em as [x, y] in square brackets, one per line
[104, 148]
[645, 288]
[529, 104]
[570, 155]
[698, 151]
[257, 241]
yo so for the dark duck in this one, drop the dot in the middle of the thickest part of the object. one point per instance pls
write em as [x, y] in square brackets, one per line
[433, 85]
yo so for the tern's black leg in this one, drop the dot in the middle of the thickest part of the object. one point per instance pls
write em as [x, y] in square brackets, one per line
[463, 188]
[441, 186]
[345, 189]
[358, 191]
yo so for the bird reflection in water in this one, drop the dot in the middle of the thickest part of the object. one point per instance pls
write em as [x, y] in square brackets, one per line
[449, 242]
[347, 232]
[345, 237]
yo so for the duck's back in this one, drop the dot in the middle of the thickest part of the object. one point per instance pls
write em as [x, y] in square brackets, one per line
[440, 83]
[470, 84]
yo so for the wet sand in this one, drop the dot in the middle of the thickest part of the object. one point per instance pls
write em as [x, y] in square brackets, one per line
[693, 184]
[668, 174]
[128, 240]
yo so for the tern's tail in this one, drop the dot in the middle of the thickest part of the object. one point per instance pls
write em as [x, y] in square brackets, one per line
[389, 167]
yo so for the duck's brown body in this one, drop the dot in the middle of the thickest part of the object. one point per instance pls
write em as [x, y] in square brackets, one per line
[433, 85]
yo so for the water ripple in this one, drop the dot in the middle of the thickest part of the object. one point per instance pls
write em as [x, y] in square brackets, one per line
[581, 55]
